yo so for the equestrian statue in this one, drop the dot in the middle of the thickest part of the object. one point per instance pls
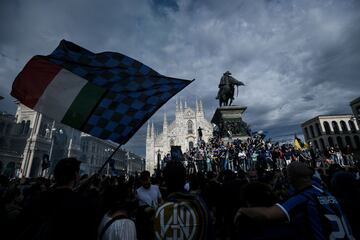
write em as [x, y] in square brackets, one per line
[226, 89]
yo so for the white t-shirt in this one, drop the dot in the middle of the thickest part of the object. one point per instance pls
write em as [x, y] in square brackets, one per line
[148, 196]
[119, 229]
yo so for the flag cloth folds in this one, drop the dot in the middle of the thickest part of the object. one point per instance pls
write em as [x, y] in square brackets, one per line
[108, 95]
[298, 144]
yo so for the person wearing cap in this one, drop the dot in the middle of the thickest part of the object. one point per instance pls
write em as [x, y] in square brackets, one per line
[313, 212]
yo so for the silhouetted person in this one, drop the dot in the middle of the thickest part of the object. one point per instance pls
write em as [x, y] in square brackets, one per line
[313, 212]
[60, 212]
[182, 215]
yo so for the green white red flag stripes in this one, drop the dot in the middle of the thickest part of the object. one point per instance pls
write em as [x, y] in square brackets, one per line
[61, 94]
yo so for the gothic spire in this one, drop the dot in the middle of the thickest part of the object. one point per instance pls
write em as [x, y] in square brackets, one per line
[165, 123]
[148, 131]
[201, 107]
[152, 130]
[181, 106]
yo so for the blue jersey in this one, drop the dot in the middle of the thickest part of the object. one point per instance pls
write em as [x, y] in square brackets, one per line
[317, 215]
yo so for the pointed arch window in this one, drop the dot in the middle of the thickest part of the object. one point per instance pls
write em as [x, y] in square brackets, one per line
[190, 127]
[191, 145]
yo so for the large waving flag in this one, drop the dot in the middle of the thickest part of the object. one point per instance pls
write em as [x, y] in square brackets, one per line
[108, 95]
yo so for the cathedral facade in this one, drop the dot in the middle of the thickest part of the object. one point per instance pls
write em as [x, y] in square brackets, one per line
[183, 131]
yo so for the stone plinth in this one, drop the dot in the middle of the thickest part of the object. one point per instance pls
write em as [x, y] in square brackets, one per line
[228, 120]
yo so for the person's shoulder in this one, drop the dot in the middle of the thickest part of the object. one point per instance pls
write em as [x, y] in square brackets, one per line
[57, 194]
[124, 221]
[183, 196]
[123, 226]
[155, 187]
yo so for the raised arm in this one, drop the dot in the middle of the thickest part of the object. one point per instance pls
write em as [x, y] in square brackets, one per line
[262, 213]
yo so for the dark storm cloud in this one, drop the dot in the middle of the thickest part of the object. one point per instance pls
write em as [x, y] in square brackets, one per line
[298, 58]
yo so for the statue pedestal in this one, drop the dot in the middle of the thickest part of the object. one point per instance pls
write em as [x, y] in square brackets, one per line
[229, 121]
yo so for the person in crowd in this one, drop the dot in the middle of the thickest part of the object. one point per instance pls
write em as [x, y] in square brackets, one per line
[149, 198]
[346, 189]
[96, 206]
[116, 223]
[61, 213]
[259, 194]
[313, 212]
[339, 158]
[313, 155]
[182, 215]
[349, 155]
[148, 194]
[333, 155]
[242, 162]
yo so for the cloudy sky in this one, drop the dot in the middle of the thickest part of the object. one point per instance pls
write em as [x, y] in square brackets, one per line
[298, 58]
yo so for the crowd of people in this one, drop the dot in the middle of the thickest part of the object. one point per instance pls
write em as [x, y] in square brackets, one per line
[257, 153]
[240, 190]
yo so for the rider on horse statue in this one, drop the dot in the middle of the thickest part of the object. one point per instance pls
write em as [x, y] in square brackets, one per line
[226, 89]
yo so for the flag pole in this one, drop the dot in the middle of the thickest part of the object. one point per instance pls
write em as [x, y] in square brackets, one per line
[89, 180]
[107, 160]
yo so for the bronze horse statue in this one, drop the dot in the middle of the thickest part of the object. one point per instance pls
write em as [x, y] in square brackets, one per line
[226, 89]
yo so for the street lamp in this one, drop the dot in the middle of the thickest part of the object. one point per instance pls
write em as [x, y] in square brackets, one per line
[53, 132]
[108, 150]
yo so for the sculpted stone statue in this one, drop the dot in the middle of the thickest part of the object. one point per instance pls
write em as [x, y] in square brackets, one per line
[226, 89]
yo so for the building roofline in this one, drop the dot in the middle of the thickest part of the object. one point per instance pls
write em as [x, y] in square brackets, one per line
[356, 100]
[325, 116]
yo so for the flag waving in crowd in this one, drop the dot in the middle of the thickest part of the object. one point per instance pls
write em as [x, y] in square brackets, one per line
[298, 144]
[108, 95]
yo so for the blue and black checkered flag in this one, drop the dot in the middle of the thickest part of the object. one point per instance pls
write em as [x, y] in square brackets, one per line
[108, 95]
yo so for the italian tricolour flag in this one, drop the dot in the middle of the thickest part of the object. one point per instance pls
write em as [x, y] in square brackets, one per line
[49, 88]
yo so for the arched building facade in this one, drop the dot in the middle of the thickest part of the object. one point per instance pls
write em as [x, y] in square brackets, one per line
[331, 130]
